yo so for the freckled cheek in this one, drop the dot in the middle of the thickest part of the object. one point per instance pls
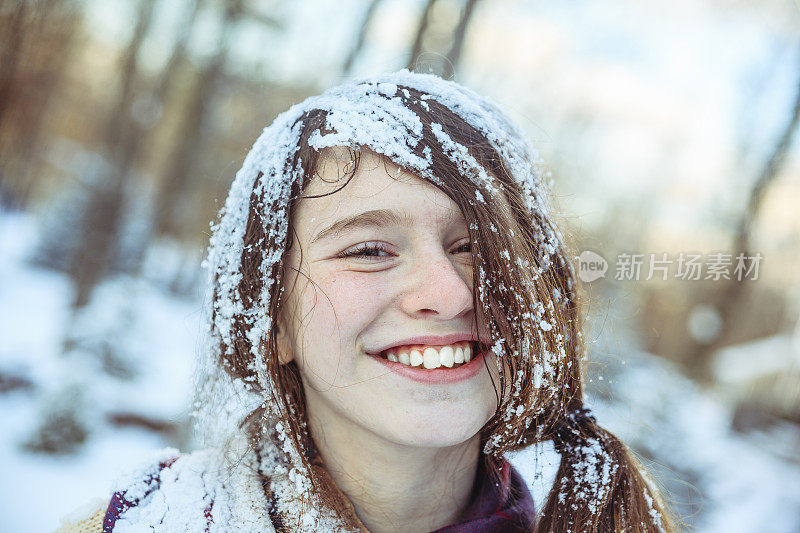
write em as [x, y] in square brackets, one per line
[338, 308]
[356, 297]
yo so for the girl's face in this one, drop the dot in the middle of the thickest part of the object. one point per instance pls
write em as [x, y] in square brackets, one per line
[384, 262]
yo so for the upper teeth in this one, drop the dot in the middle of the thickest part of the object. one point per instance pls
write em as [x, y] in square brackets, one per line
[431, 356]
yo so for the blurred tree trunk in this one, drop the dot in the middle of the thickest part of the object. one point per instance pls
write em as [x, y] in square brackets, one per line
[178, 55]
[12, 35]
[102, 219]
[359, 44]
[416, 48]
[37, 41]
[447, 64]
[55, 30]
[454, 55]
[730, 302]
[184, 161]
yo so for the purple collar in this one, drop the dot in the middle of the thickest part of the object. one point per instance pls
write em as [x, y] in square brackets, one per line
[506, 507]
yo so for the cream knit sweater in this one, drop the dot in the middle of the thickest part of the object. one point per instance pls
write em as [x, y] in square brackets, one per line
[93, 523]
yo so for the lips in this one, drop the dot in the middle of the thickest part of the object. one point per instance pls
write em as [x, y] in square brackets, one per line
[434, 374]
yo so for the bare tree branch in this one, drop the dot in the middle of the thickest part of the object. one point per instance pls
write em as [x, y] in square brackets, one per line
[356, 50]
[416, 48]
[454, 55]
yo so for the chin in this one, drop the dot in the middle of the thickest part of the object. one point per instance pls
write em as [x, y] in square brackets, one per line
[437, 432]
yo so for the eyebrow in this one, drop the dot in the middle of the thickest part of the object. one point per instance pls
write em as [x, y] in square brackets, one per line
[367, 219]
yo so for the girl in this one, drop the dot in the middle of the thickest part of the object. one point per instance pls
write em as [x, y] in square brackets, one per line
[392, 312]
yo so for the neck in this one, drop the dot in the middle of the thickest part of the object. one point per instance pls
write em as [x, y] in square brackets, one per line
[395, 487]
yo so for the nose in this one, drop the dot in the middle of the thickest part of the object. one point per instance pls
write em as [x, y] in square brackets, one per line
[437, 289]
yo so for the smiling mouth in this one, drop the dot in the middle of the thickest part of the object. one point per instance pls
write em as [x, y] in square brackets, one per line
[432, 357]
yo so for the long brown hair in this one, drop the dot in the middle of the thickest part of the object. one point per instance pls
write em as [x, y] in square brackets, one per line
[523, 283]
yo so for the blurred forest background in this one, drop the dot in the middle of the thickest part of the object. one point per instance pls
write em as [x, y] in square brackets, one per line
[669, 128]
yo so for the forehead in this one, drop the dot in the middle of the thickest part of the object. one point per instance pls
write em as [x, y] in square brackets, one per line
[376, 184]
[373, 173]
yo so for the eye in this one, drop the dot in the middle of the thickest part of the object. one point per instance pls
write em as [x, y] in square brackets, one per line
[465, 247]
[376, 250]
[367, 250]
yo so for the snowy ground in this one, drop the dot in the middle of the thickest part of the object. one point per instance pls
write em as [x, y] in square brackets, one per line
[36, 490]
[726, 482]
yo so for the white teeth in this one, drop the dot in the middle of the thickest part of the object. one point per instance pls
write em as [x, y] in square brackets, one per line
[431, 358]
[446, 356]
